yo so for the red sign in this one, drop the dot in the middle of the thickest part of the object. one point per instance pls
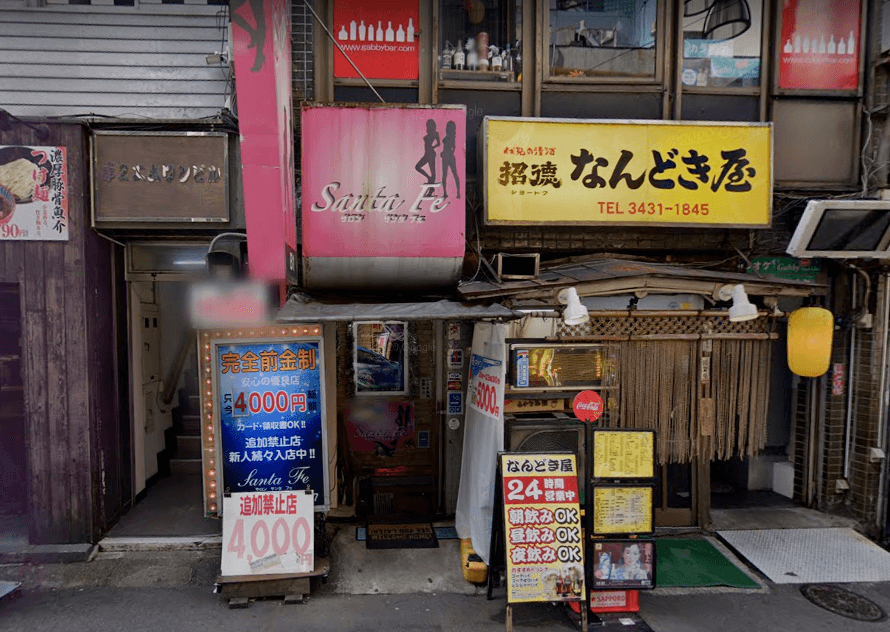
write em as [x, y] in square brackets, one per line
[820, 44]
[380, 37]
[588, 406]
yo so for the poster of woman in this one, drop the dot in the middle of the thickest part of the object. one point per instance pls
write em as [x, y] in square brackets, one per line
[623, 564]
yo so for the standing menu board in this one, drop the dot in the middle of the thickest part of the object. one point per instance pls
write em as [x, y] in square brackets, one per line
[542, 519]
[623, 453]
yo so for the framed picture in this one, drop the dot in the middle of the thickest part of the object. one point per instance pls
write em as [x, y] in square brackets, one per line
[622, 564]
[623, 509]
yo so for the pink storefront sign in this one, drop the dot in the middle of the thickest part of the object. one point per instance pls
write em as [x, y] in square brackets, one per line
[261, 42]
[383, 182]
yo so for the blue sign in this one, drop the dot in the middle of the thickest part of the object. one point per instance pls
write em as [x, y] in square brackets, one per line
[521, 367]
[270, 414]
[455, 402]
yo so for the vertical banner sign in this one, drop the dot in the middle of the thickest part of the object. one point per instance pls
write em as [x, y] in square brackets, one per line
[820, 45]
[486, 388]
[33, 193]
[380, 37]
[262, 48]
[268, 534]
[545, 550]
[270, 417]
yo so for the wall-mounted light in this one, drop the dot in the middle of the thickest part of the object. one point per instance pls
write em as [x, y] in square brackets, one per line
[575, 313]
[727, 19]
[695, 7]
[742, 309]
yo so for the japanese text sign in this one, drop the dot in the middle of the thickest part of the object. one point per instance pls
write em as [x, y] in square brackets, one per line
[380, 37]
[33, 193]
[383, 182]
[627, 173]
[545, 548]
[622, 510]
[268, 533]
[169, 176]
[623, 453]
[486, 388]
[820, 44]
[271, 426]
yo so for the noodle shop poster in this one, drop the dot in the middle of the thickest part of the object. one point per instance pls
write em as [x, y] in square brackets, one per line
[545, 550]
[271, 424]
[381, 38]
[820, 44]
[383, 182]
[33, 193]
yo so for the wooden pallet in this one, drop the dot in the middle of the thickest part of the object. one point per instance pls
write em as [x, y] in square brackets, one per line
[239, 590]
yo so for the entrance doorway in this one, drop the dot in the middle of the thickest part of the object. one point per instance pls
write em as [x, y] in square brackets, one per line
[13, 453]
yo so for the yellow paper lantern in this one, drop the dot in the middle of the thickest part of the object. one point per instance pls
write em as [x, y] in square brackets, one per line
[810, 331]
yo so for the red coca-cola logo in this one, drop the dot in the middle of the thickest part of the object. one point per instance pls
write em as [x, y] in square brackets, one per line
[588, 406]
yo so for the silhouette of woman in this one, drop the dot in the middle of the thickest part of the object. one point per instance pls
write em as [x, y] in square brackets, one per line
[448, 162]
[430, 142]
[257, 33]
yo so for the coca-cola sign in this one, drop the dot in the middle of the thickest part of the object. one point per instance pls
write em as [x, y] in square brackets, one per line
[588, 406]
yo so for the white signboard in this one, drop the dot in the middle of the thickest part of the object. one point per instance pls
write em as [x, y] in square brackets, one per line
[33, 193]
[486, 388]
[268, 533]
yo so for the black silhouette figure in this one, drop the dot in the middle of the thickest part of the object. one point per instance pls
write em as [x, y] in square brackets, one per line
[448, 162]
[430, 142]
[257, 33]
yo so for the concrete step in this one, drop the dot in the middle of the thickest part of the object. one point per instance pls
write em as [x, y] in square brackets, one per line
[188, 446]
[190, 425]
[185, 466]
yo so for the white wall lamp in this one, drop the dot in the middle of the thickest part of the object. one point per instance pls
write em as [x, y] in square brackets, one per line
[575, 313]
[742, 309]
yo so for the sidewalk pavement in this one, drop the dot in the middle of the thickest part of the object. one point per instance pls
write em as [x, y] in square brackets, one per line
[170, 590]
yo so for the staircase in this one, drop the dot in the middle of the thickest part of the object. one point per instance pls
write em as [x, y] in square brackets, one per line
[184, 438]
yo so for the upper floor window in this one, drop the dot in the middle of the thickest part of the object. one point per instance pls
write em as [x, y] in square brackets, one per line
[602, 38]
[480, 40]
[721, 43]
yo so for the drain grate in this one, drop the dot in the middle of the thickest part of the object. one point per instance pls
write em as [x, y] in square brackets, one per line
[843, 602]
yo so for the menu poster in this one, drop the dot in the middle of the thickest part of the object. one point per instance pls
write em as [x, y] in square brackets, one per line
[545, 551]
[623, 453]
[820, 44]
[623, 509]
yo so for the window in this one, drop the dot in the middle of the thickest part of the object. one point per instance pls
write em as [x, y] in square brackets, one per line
[380, 359]
[480, 40]
[602, 38]
[721, 43]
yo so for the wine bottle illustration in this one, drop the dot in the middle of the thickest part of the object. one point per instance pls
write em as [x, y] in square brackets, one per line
[831, 49]
[400, 34]
[353, 34]
[380, 31]
[390, 34]
[361, 31]
[343, 35]
[410, 34]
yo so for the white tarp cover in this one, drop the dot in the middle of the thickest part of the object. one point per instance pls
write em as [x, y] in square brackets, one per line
[483, 439]
[302, 308]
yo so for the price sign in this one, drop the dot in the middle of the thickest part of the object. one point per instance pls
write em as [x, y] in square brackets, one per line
[268, 533]
[486, 387]
[619, 510]
[545, 550]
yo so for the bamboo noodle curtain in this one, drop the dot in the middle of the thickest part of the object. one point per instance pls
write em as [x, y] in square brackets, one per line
[706, 398]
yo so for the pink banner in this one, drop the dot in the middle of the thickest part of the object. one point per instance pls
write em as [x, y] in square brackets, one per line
[820, 45]
[261, 41]
[383, 182]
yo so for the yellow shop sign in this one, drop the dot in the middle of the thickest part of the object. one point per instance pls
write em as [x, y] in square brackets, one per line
[655, 173]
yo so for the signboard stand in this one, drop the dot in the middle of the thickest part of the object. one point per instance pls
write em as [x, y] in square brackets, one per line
[293, 588]
[543, 497]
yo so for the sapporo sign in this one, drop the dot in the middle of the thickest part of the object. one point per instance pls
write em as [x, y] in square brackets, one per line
[627, 173]
[545, 550]
[160, 177]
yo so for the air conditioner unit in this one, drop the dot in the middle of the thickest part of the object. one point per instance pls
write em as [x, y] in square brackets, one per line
[549, 434]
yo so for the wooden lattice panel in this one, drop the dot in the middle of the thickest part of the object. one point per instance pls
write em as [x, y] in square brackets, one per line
[628, 325]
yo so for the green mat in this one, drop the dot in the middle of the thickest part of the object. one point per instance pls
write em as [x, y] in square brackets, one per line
[696, 563]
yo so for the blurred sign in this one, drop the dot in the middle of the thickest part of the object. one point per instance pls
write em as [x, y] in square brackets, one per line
[486, 387]
[217, 305]
[787, 268]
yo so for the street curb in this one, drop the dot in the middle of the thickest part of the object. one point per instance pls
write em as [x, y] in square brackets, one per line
[48, 554]
[193, 543]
